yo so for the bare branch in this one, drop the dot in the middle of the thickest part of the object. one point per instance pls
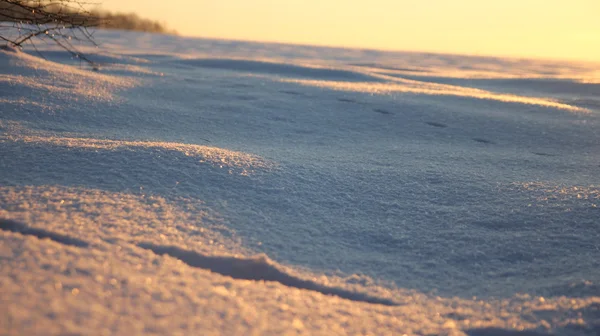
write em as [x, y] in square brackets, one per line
[58, 21]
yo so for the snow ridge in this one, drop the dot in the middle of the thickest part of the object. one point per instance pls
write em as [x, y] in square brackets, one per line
[14, 226]
[258, 268]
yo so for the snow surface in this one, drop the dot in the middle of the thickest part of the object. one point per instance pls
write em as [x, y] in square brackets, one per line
[218, 187]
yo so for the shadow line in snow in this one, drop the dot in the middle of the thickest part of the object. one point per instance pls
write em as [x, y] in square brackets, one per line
[14, 226]
[257, 268]
[543, 154]
[484, 141]
[291, 92]
[436, 124]
[348, 100]
[589, 313]
[382, 111]
[502, 332]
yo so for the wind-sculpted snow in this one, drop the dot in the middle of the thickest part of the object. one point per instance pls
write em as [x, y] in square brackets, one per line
[87, 250]
[222, 158]
[492, 69]
[27, 72]
[459, 66]
[281, 69]
[92, 216]
[259, 268]
[374, 83]
[194, 186]
[416, 87]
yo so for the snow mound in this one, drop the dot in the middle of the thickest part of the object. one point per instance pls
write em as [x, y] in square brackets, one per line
[27, 72]
[257, 268]
[223, 158]
[128, 217]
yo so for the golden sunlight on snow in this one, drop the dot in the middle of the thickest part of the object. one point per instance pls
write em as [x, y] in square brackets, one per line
[90, 251]
[416, 87]
[60, 79]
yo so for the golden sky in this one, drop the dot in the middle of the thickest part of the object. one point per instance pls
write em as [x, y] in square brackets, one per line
[566, 29]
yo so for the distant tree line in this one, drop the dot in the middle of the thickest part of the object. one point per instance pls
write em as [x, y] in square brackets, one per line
[72, 13]
[130, 21]
[62, 22]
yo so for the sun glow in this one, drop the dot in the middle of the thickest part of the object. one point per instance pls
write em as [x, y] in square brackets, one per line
[533, 28]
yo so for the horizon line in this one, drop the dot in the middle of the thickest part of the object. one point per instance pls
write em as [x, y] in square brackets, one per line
[393, 50]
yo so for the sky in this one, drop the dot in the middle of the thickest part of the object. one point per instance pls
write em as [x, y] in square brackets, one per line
[553, 29]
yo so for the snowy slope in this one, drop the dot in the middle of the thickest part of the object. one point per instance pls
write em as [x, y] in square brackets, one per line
[219, 187]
